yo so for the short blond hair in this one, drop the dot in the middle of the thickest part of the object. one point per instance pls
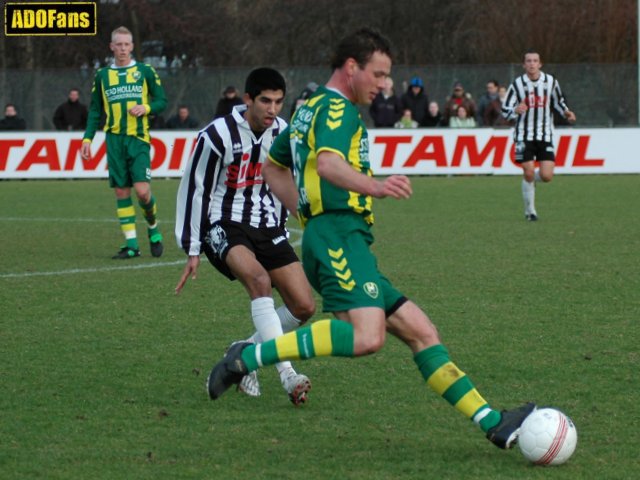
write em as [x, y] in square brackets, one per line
[121, 30]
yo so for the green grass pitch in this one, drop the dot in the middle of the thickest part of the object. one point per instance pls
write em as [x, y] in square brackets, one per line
[103, 367]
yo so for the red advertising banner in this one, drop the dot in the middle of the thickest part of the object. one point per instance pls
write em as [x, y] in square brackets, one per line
[411, 152]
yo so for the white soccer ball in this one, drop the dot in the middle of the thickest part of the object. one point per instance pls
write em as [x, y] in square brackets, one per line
[547, 437]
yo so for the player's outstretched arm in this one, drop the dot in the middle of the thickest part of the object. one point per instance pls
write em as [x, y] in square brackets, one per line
[281, 183]
[190, 270]
[334, 169]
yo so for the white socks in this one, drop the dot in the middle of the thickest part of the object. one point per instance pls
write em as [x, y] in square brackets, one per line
[287, 320]
[529, 196]
[268, 326]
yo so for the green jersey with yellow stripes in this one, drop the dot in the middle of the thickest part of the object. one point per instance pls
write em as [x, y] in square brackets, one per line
[116, 90]
[327, 121]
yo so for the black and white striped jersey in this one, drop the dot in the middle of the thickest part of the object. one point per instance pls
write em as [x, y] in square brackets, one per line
[540, 95]
[223, 181]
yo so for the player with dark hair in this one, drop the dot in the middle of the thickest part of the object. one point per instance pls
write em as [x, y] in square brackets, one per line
[128, 92]
[530, 100]
[327, 145]
[225, 210]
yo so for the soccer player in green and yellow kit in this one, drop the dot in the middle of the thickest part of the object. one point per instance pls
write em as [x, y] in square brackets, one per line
[327, 146]
[127, 92]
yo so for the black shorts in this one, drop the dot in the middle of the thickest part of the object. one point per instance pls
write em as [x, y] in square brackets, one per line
[270, 245]
[535, 150]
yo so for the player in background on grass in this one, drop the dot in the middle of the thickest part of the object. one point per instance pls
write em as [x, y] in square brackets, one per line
[127, 92]
[225, 209]
[327, 145]
[529, 101]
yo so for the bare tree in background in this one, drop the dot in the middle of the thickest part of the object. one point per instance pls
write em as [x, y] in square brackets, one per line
[302, 32]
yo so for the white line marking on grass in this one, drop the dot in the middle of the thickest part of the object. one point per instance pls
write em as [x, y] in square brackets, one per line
[92, 270]
[70, 220]
[73, 271]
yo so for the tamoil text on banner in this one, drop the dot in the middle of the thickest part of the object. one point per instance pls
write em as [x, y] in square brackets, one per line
[50, 18]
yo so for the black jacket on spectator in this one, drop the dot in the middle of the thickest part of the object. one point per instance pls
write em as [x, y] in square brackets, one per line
[385, 112]
[70, 116]
[430, 121]
[13, 123]
[225, 105]
[418, 104]
[175, 123]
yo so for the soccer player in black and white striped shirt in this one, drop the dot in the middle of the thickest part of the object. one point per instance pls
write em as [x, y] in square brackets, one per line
[530, 100]
[225, 209]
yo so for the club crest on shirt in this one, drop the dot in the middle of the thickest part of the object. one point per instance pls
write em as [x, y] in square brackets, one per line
[371, 289]
[136, 75]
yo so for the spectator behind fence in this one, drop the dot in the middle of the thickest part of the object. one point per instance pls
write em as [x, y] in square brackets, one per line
[156, 121]
[182, 120]
[462, 119]
[457, 98]
[492, 114]
[71, 115]
[309, 89]
[406, 120]
[501, 121]
[11, 120]
[416, 100]
[434, 117]
[229, 100]
[386, 109]
[486, 115]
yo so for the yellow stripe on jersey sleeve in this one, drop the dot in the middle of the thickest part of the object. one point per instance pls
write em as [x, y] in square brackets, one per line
[273, 160]
[310, 175]
[354, 161]
[145, 93]
[312, 185]
[311, 103]
[143, 121]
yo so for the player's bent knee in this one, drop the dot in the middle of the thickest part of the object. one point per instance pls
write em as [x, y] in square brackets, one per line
[369, 344]
[305, 311]
[546, 178]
